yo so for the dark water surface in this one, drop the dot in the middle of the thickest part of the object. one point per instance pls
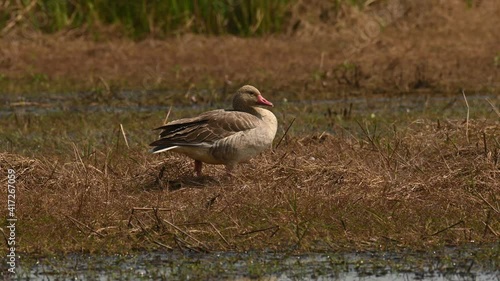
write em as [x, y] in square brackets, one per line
[150, 101]
[450, 263]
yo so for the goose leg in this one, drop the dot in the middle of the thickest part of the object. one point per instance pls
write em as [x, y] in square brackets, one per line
[197, 167]
[229, 170]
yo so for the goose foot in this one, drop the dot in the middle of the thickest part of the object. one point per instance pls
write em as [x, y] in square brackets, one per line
[197, 167]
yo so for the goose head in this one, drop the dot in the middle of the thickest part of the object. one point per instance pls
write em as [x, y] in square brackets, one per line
[248, 97]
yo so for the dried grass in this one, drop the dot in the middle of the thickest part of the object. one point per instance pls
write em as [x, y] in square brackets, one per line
[419, 186]
[391, 45]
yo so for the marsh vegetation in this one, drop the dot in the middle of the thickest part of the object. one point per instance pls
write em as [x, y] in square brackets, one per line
[375, 173]
[388, 140]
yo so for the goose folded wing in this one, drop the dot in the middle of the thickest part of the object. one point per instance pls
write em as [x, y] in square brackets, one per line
[206, 128]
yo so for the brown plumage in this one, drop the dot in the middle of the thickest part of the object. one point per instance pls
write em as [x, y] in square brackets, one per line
[221, 136]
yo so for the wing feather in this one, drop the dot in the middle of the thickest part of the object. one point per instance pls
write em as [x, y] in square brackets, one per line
[206, 128]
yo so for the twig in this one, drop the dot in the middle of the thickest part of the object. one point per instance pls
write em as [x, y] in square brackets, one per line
[485, 145]
[280, 161]
[148, 234]
[142, 226]
[488, 203]
[168, 114]
[488, 227]
[275, 231]
[344, 226]
[258, 230]
[211, 201]
[370, 138]
[5, 237]
[286, 132]
[176, 240]
[185, 233]
[494, 107]
[149, 209]
[77, 154]
[220, 234]
[487, 223]
[129, 224]
[467, 120]
[18, 18]
[84, 225]
[446, 228]
[51, 174]
[106, 85]
[188, 245]
[321, 61]
[161, 244]
[124, 135]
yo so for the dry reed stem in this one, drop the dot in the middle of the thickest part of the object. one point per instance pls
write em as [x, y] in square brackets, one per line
[124, 135]
[165, 121]
[467, 119]
[494, 107]
[79, 223]
[286, 132]
[20, 16]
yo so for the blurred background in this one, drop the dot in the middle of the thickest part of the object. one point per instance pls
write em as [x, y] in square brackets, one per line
[341, 46]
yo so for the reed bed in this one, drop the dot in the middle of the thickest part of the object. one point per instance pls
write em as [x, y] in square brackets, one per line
[138, 19]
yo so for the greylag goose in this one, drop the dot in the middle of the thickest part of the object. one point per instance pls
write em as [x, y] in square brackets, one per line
[222, 136]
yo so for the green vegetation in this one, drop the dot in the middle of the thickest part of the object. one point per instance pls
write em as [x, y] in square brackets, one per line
[142, 18]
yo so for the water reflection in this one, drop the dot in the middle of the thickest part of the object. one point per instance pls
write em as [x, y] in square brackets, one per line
[446, 264]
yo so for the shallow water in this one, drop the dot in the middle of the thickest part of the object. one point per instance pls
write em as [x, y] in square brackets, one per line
[471, 263]
[150, 101]
[306, 116]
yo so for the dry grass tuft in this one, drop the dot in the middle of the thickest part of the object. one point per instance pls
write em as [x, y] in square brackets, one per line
[422, 185]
